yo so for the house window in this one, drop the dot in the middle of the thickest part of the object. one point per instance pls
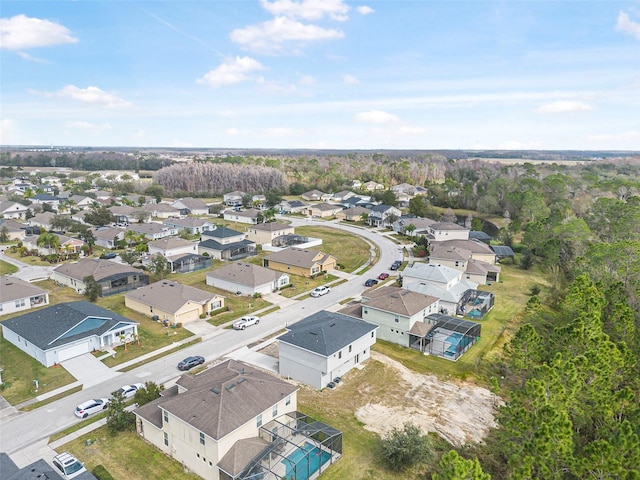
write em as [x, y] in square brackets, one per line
[166, 439]
[165, 416]
[20, 303]
[288, 400]
[0, 307]
[201, 438]
[259, 421]
[365, 311]
[397, 320]
[372, 334]
[274, 411]
[349, 348]
[340, 354]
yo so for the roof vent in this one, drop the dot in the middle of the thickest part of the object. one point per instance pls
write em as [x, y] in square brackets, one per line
[229, 386]
[240, 380]
[215, 390]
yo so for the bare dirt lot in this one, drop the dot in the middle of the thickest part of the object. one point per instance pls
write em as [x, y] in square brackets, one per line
[461, 413]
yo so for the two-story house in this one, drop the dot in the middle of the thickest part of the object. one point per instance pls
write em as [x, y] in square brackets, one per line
[305, 263]
[266, 233]
[380, 215]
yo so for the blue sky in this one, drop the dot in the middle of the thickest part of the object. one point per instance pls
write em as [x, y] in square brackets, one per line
[321, 74]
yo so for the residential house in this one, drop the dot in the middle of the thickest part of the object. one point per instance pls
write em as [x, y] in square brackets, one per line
[125, 214]
[396, 311]
[342, 195]
[266, 233]
[324, 346]
[292, 206]
[38, 470]
[353, 214]
[445, 283]
[140, 200]
[324, 210]
[66, 245]
[233, 421]
[162, 210]
[153, 231]
[358, 201]
[46, 199]
[14, 230]
[251, 216]
[381, 215]
[247, 279]
[193, 225]
[372, 186]
[13, 210]
[479, 250]
[356, 184]
[79, 216]
[312, 195]
[259, 201]
[305, 263]
[81, 201]
[462, 259]
[421, 225]
[42, 219]
[17, 295]
[234, 198]
[191, 206]
[182, 254]
[173, 302]
[112, 277]
[226, 244]
[108, 237]
[441, 231]
[59, 332]
[404, 188]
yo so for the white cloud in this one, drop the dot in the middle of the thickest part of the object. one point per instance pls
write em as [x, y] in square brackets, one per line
[307, 80]
[22, 32]
[90, 95]
[377, 117]
[350, 79]
[563, 106]
[270, 36]
[6, 131]
[625, 24]
[365, 10]
[308, 9]
[232, 71]
[82, 125]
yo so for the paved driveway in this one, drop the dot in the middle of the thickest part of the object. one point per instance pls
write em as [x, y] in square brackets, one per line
[88, 370]
[26, 272]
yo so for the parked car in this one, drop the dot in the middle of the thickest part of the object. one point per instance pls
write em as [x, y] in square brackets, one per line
[396, 265]
[371, 282]
[319, 291]
[190, 362]
[383, 276]
[68, 465]
[108, 255]
[91, 406]
[129, 391]
[245, 322]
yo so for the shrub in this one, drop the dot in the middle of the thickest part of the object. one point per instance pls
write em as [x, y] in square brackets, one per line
[101, 473]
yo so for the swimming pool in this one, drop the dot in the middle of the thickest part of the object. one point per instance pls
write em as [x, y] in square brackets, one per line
[304, 462]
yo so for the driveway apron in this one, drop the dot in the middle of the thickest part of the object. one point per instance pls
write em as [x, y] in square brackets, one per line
[88, 370]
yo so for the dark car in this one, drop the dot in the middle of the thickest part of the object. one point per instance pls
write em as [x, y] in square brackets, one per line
[108, 255]
[396, 265]
[371, 282]
[190, 362]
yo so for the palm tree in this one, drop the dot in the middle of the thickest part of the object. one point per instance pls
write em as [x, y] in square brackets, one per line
[48, 240]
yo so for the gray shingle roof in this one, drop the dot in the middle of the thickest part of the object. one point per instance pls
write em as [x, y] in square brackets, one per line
[245, 274]
[326, 332]
[53, 326]
[398, 300]
[298, 257]
[100, 269]
[12, 288]
[221, 232]
[169, 296]
[222, 398]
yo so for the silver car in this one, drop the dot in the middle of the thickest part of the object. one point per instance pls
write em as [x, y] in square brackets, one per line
[91, 406]
[245, 322]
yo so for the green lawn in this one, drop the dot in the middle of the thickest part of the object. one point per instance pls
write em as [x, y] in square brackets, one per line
[125, 455]
[7, 268]
[350, 250]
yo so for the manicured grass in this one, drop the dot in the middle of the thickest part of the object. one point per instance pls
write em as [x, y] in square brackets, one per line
[305, 284]
[33, 406]
[125, 455]
[350, 250]
[159, 355]
[7, 268]
[20, 370]
[31, 260]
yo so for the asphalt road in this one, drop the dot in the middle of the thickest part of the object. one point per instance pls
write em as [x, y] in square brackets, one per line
[23, 430]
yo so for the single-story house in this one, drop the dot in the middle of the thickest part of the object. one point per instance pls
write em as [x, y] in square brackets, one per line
[153, 231]
[228, 251]
[371, 186]
[173, 301]
[108, 237]
[13, 210]
[421, 225]
[191, 206]
[14, 230]
[249, 216]
[170, 246]
[353, 214]
[305, 263]
[162, 210]
[66, 245]
[233, 198]
[57, 333]
[81, 201]
[234, 421]
[113, 277]
[193, 225]
[342, 195]
[324, 346]
[17, 295]
[265, 233]
[127, 214]
[312, 195]
[42, 219]
[292, 206]
[247, 279]
[324, 210]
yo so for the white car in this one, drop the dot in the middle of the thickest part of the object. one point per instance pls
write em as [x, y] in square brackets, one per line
[319, 291]
[91, 406]
[129, 391]
[68, 465]
[245, 322]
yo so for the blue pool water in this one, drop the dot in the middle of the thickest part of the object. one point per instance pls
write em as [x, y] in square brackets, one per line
[454, 338]
[301, 464]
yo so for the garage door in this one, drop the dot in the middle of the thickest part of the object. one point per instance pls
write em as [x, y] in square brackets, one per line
[72, 351]
[188, 316]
